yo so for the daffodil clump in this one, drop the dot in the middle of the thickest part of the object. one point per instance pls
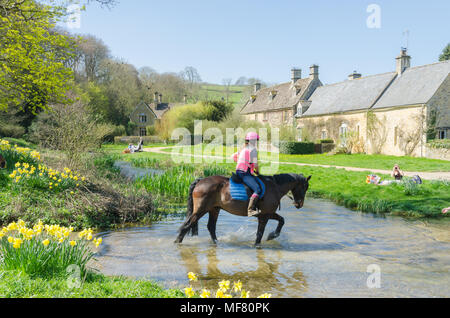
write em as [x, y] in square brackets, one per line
[225, 290]
[45, 250]
[14, 153]
[41, 176]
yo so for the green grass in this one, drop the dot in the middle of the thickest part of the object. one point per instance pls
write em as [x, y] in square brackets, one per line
[16, 284]
[212, 91]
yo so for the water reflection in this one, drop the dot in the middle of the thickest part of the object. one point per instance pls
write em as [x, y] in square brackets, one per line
[323, 251]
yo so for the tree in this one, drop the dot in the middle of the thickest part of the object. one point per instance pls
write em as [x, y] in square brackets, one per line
[227, 83]
[191, 75]
[445, 54]
[91, 52]
[241, 81]
[32, 57]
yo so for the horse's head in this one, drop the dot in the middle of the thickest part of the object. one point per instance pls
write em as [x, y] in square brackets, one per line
[299, 191]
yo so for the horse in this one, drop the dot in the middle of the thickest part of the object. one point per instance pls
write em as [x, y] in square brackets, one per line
[211, 194]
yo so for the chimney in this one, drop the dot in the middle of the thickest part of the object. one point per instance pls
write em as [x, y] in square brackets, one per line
[155, 98]
[296, 74]
[314, 71]
[354, 75]
[160, 99]
[257, 87]
[403, 62]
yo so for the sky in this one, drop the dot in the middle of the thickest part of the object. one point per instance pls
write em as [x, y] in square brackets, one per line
[266, 38]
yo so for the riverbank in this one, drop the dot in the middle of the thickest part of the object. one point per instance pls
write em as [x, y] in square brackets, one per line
[346, 188]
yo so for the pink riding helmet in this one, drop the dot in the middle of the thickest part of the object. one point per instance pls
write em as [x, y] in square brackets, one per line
[252, 136]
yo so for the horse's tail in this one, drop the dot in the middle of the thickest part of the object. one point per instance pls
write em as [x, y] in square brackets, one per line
[190, 207]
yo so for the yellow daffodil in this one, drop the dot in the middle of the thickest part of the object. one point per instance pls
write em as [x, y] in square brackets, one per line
[189, 292]
[192, 277]
[224, 285]
[245, 294]
[237, 286]
[266, 295]
[205, 293]
[73, 243]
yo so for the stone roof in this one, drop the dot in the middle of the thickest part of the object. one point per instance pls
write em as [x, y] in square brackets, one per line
[415, 86]
[349, 95]
[161, 108]
[286, 97]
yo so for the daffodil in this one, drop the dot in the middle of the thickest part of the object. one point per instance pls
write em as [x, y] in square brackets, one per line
[205, 293]
[245, 294]
[224, 285]
[192, 277]
[189, 292]
[73, 243]
[46, 242]
[237, 286]
[266, 295]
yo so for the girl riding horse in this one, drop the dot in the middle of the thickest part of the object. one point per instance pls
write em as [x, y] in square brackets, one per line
[247, 164]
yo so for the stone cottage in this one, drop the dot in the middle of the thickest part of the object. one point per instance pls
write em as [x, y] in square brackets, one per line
[277, 105]
[145, 115]
[390, 113]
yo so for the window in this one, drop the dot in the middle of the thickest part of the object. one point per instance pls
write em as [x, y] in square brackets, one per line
[343, 134]
[299, 133]
[142, 132]
[256, 116]
[142, 118]
[285, 116]
[265, 116]
[442, 134]
[324, 134]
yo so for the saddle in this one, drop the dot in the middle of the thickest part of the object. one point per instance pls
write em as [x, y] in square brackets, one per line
[240, 191]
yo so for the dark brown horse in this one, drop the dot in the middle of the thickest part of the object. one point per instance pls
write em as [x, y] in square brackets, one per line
[211, 194]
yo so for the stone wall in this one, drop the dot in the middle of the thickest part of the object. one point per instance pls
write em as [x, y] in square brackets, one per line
[437, 153]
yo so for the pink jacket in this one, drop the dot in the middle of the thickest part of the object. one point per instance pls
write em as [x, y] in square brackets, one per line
[243, 161]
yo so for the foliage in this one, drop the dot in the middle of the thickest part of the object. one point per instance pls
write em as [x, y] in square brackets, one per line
[445, 55]
[14, 154]
[296, 148]
[44, 250]
[33, 56]
[439, 144]
[65, 127]
[376, 131]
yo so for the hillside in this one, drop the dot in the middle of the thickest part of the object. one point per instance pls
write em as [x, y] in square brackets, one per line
[215, 91]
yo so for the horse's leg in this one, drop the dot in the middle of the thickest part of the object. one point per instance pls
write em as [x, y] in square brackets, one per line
[188, 224]
[276, 233]
[213, 215]
[262, 222]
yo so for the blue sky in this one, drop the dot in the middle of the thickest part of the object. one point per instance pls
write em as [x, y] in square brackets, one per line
[265, 38]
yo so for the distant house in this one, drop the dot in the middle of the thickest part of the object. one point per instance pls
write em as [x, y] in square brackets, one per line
[277, 105]
[145, 115]
[389, 113]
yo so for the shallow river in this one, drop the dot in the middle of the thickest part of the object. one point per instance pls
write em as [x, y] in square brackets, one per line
[324, 251]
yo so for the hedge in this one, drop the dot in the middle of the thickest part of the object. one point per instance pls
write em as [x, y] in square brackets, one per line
[296, 148]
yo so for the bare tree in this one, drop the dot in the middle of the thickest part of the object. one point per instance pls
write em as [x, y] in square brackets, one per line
[227, 83]
[191, 75]
[91, 53]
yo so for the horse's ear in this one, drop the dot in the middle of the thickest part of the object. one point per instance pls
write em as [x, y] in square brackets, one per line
[309, 178]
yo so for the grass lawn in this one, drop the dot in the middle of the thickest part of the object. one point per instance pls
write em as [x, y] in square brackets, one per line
[14, 284]
[212, 91]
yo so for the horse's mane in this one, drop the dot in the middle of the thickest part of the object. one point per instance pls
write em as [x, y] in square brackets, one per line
[284, 178]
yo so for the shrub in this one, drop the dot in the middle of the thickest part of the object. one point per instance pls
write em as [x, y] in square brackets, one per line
[296, 148]
[10, 130]
[439, 143]
[151, 130]
[326, 141]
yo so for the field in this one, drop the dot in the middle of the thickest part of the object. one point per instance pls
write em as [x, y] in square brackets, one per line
[214, 91]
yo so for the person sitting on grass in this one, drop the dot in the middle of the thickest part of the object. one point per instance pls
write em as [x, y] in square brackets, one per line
[446, 210]
[397, 173]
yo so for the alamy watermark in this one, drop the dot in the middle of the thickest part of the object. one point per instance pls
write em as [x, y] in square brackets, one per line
[374, 19]
[374, 279]
[74, 17]
[211, 146]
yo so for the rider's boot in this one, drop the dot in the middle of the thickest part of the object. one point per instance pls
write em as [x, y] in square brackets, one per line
[252, 210]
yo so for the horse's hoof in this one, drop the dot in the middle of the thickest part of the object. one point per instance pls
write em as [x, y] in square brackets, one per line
[272, 236]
